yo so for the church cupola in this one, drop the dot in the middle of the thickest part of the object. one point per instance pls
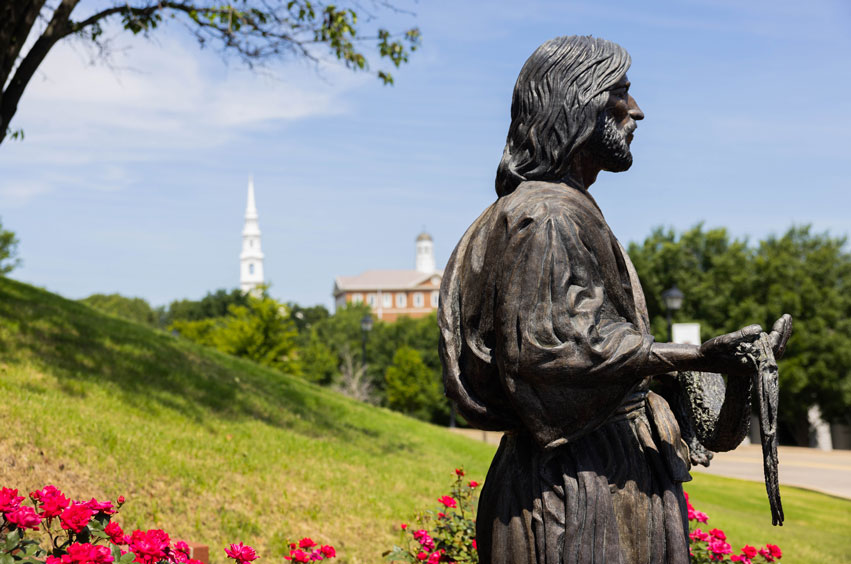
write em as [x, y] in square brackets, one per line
[425, 253]
[251, 257]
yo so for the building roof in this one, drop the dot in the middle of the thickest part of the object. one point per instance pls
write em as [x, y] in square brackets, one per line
[383, 280]
[424, 237]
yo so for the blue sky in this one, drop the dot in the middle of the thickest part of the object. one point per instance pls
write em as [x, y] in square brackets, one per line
[132, 176]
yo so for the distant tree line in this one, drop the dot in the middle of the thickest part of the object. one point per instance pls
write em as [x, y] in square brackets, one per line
[727, 282]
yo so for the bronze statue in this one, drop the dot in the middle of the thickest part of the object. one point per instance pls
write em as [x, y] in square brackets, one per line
[544, 335]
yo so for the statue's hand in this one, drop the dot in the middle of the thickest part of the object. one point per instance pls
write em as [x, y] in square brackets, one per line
[779, 336]
[722, 352]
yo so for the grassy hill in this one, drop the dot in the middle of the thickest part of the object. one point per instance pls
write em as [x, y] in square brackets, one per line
[217, 450]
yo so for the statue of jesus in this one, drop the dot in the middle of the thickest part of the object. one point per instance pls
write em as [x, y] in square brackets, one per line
[545, 335]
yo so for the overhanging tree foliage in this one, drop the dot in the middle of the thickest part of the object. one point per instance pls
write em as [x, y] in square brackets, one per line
[729, 284]
[253, 31]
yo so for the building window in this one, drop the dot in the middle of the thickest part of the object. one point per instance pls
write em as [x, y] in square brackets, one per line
[401, 300]
[435, 298]
[370, 299]
[251, 268]
[418, 299]
[387, 300]
[251, 242]
[357, 298]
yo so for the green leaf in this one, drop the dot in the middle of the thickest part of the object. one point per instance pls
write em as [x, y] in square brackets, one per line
[6, 559]
[12, 540]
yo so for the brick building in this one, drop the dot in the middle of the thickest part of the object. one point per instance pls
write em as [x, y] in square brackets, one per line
[395, 293]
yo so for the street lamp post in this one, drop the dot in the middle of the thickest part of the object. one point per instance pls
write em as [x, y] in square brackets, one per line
[673, 299]
[365, 327]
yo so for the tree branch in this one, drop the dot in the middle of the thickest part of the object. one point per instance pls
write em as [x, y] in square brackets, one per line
[16, 21]
[57, 29]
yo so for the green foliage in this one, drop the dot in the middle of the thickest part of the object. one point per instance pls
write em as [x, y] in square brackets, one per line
[213, 305]
[8, 251]
[134, 309]
[410, 387]
[729, 284]
[261, 331]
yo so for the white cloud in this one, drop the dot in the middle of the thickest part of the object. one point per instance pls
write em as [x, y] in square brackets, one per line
[170, 93]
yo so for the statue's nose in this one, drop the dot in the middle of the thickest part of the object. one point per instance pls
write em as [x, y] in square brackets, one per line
[634, 111]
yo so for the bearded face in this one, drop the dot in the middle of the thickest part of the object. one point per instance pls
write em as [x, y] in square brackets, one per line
[609, 142]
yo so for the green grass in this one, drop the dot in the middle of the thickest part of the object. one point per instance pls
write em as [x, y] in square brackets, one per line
[211, 448]
[217, 450]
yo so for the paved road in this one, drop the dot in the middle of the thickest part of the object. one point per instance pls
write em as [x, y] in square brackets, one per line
[826, 472]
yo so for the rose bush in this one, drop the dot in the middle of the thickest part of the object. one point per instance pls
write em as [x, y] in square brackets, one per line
[712, 545]
[447, 534]
[87, 534]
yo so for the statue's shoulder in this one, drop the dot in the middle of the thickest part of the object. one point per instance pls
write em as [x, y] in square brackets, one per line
[536, 201]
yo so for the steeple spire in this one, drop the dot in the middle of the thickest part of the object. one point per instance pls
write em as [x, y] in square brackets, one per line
[251, 207]
[251, 257]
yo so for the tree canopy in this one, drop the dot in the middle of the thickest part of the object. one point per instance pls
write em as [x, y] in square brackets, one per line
[252, 31]
[729, 283]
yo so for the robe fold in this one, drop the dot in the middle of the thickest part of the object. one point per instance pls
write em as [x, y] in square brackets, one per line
[544, 333]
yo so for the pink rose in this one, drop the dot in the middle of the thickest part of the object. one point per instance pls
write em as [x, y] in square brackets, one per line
[306, 542]
[473, 484]
[9, 500]
[774, 550]
[100, 507]
[149, 546]
[448, 501]
[298, 555]
[241, 553]
[718, 534]
[422, 555]
[52, 501]
[749, 551]
[24, 517]
[328, 551]
[85, 553]
[76, 517]
[116, 535]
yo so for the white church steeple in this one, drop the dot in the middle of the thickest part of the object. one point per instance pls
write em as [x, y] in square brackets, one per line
[425, 253]
[251, 257]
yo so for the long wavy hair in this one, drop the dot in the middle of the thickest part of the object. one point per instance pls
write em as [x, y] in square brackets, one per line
[559, 93]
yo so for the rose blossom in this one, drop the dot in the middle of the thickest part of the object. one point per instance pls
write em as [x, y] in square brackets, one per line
[52, 501]
[241, 553]
[298, 555]
[459, 471]
[9, 500]
[76, 517]
[306, 542]
[474, 484]
[328, 551]
[100, 507]
[448, 501]
[24, 517]
[149, 546]
[718, 534]
[116, 535]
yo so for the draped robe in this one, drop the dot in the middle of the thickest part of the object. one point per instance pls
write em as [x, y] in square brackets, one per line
[544, 333]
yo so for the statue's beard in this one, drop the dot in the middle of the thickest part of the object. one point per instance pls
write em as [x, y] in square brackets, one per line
[608, 144]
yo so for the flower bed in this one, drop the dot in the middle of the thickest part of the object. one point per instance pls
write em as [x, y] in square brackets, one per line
[84, 532]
